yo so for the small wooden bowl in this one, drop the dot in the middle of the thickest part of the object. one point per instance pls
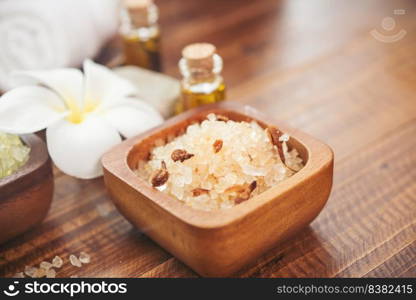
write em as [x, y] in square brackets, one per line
[219, 243]
[26, 195]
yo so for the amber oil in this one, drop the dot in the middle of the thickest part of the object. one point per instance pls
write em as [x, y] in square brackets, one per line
[202, 82]
[140, 34]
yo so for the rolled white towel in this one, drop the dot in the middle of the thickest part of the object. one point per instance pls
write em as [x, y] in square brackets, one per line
[45, 34]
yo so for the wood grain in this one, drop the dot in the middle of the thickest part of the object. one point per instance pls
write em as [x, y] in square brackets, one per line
[316, 66]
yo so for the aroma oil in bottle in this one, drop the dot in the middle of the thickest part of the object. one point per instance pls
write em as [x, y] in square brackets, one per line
[202, 82]
[140, 34]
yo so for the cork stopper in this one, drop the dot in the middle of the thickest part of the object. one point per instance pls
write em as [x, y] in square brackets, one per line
[199, 56]
[139, 11]
[137, 4]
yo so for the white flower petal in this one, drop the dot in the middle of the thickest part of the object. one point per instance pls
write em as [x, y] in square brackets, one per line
[132, 116]
[29, 109]
[76, 149]
[102, 86]
[68, 83]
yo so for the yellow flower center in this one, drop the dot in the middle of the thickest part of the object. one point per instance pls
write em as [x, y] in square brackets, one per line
[76, 114]
[90, 105]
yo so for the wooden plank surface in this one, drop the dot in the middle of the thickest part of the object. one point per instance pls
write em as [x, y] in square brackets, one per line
[315, 65]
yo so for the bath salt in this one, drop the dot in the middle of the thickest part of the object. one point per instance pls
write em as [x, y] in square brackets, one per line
[75, 261]
[84, 258]
[30, 271]
[220, 163]
[40, 273]
[50, 273]
[45, 265]
[57, 262]
[13, 154]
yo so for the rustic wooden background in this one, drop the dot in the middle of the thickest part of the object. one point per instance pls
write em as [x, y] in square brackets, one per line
[315, 65]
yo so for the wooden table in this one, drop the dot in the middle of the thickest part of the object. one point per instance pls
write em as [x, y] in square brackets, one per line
[315, 65]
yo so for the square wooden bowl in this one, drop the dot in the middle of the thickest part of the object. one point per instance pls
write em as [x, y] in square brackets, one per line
[26, 195]
[219, 243]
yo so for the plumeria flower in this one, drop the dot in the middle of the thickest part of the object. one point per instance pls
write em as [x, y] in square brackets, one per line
[84, 114]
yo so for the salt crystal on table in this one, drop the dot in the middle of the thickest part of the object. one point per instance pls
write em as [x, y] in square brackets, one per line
[57, 262]
[75, 261]
[30, 271]
[51, 273]
[45, 265]
[84, 258]
[39, 273]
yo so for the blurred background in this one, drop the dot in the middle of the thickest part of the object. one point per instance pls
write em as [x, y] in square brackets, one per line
[253, 37]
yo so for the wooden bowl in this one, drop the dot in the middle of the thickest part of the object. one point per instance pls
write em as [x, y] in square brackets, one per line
[26, 195]
[219, 243]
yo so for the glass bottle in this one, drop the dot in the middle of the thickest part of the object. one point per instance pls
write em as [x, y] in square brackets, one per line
[140, 34]
[202, 82]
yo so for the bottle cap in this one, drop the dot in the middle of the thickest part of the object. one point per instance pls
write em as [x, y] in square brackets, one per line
[199, 56]
[137, 4]
[139, 11]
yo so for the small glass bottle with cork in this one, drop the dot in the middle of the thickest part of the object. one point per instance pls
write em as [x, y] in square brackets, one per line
[202, 82]
[140, 34]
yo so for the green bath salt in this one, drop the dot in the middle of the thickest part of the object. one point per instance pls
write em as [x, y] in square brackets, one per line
[13, 154]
